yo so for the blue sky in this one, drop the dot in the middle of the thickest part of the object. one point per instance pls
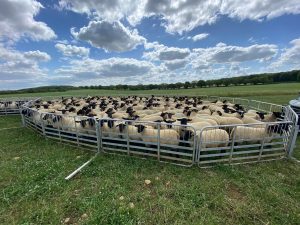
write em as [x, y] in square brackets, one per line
[64, 42]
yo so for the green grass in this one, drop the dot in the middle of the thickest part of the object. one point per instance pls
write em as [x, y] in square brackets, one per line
[33, 189]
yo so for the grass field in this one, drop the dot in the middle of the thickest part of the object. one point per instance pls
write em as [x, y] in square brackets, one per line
[276, 93]
[33, 189]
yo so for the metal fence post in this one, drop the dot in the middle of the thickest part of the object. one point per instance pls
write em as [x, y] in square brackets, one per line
[158, 141]
[127, 137]
[195, 147]
[261, 148]
[98, 136]
[199, 144]
[76, 130]
[293, 141]
[232, 144]
[22, 117]
[42, 124]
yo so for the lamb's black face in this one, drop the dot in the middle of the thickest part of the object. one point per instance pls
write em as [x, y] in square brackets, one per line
[188, 134]
[184, 121]
[163, 114]
[261, 115]
[72, 109]
[101, 123]
[80, 112]
[91, 122]
[110, 123]
[122, 127]
[241, 113]
[140, 128]
[277, 114]
[220, 113]
[227, 110]
[83, 123]
[204, 107]
[56, 119]
[64, 111]
[169, 126]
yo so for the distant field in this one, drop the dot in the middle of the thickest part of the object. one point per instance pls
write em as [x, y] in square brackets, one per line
[276, 93]
[33, 189]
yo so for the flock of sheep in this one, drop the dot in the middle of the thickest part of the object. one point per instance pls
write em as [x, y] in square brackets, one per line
[10, 104]
[178, 120]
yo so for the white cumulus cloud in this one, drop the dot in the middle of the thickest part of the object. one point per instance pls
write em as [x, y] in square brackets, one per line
[17, 20]
[199, 37]
[22, 66]
[164, 53]
[109, 36]
[105, 68]
[72, 50]
[178, 16]
[223, 53]
[290, 56]
[37, 55]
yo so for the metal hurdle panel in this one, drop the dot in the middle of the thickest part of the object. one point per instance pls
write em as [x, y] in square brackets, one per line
[180, 149]
[246, 143]
[161, 144]
[69, 130]
[291, 115]
[11, 106]
[265, 106]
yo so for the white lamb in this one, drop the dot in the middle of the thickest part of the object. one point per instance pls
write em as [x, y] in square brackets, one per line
[149, 134]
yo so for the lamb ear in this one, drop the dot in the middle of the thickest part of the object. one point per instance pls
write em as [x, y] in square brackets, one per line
[189, 120]
[179, 119]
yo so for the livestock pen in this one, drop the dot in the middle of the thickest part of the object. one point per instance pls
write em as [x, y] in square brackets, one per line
[276, 141]
[11, 106]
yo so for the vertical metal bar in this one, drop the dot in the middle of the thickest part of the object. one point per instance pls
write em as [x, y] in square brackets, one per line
[199, 144]
[271, 106]
[59, 133]
[293, 137]
[262, 147]
[127, 137]
[98, 136]
[101, 134]
[194, 147]
[22, 117]
[42, 124]
[158, 141]
[76, 130]
[232, 144]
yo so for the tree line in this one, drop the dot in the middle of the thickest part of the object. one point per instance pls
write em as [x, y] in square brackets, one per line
[255, 79]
